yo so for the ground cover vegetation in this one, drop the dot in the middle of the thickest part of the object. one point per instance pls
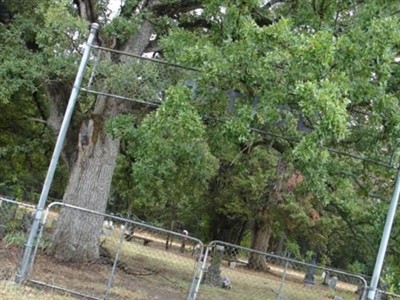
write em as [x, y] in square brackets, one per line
[261, 146]
[150, 272]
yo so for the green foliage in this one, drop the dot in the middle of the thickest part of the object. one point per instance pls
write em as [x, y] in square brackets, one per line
[23, 144]
[333, 66]
[357, 268]
[40, 44]
[59, 39]
[18, 73]
[293, 248]
[122, 28]
[122, 126]
[18, 239]
[14, 238]
[390, 279]
[328, 63]
[173, 162]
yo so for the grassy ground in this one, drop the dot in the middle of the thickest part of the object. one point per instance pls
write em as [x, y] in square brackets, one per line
[12, 291]
[151, 272]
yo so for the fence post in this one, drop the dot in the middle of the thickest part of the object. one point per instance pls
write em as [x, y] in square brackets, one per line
[22, 272]
[282, 281]
[385, 240]
[114, 267]
[195, 286]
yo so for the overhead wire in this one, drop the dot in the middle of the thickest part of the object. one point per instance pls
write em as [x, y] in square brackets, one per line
[261, 131]
[146, 58]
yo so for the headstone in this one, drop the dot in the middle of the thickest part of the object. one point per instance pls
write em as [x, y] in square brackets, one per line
[309, 278]
[326, 278]
[332, 282]
[226, 283]
[213, 275]
[183, 244]
[232, 264]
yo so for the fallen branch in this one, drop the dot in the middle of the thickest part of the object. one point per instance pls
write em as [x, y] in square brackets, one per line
[107, 258]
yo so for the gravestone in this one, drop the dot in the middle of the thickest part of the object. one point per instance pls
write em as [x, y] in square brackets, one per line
[213, 275]
[184, 240]
[309, 278]
[226, 283]
[326, 277]
[332, 282]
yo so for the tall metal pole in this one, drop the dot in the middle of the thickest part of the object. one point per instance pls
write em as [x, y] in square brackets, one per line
[22, 272]
[385, 239]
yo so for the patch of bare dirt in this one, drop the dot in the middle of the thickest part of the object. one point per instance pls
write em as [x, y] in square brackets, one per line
[92, 278]
[10, 258]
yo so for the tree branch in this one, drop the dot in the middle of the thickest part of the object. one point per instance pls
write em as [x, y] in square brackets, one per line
[153, 47]
[86, 10]
[271, 3]
[195, 24]
[262, 20]
[37, 120]
[39, 107]
[351, 225]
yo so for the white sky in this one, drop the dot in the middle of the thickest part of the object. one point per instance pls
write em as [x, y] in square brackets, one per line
[114, 6]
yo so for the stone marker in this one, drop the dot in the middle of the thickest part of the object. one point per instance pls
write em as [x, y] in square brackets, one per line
[332, 282]
[309, 278]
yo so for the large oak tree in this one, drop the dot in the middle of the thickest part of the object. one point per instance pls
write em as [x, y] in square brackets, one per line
[325, 67]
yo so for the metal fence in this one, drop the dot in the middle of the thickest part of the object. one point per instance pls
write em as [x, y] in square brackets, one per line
[136, 260]
[382, 295]
[235, 272]
[140, 261]
[15, 221]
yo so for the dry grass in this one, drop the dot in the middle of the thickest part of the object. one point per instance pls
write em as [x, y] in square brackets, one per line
[9, 290]
[150, 272]
[247, 284]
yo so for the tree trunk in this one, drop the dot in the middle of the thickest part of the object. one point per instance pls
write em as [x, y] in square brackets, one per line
[261, 233]
[168, 241]
[229, 230]
[262, 226]
[58, 93]
[280, 247]
[77, 234]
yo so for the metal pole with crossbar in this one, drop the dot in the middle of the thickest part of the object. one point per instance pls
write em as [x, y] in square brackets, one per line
[385, 239]
[23, 269]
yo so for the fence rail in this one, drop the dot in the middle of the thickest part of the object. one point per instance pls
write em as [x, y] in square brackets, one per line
[140, 261]
[383, 295]
[15, 217]
[244, 273]
[135, 260]
[15, 221]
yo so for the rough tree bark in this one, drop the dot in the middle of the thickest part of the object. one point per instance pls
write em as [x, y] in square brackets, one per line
[76, 237]
[228, 230]
[262, 225]
[77, 234]
[261, 233]
[58, 93]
